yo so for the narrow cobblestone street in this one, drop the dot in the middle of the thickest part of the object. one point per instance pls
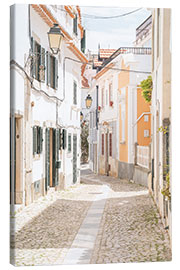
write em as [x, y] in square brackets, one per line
[103, 220]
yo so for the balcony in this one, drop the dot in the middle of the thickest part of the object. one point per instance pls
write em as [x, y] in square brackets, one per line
[144, 29]
[127, 50]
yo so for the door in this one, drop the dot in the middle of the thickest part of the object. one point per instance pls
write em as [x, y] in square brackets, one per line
[74, 158]
[52, 156]
[56, 141]
[16, 160]
[106, 155]
[47, 157]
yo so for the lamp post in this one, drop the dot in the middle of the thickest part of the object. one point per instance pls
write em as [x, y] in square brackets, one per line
[55, 37]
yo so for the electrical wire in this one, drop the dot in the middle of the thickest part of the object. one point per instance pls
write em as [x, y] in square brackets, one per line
[91, 16]
[117, 69]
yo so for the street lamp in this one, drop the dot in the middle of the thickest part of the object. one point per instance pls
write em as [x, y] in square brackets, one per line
[81, 116]
[55, 36]
[88, 101]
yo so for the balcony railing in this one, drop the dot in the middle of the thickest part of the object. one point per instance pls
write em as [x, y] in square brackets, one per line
[126, 50]
[144, 28]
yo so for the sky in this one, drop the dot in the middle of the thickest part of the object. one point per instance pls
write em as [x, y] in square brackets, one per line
[111, 33]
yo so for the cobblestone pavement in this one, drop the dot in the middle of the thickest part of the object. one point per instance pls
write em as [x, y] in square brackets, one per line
[45, 229]
[127, 223]
[131, 229]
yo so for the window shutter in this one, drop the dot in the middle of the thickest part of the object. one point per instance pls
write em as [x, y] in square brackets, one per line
[47, 155]
[75, 93]
[42, 63]
[64, 138]
[33, 60]
[102, 144]
[57, 153]
[56, 73]
[60, 139]
[75, 25]
[48, 69]
[69, 142]
[41, 139]
[34, 140]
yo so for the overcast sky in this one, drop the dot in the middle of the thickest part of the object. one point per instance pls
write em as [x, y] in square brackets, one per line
[111, 33]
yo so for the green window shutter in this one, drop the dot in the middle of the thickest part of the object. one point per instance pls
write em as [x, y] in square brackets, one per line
[33, 60]
[60, 139]
[34, 140]
[42, 63]
[47, 156]
[69, 142]
[48, 69]
[64, 134]
[41, 139]
[75, 25]
[56, 73]
[38, 140]
[75, 93]
[83, 42]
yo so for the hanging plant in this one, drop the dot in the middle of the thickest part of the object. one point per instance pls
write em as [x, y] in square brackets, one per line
[146, 86]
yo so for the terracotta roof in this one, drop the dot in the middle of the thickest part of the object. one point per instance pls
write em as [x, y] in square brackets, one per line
[106, 53]
[97, 63]
[84, 82]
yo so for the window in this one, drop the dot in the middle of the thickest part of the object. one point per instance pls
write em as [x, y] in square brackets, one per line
[75, 93]
[52, 71]
[110, 95]
[102, 144]
[110, 144]
[75, 25]
[37, 140]
[69, 142]
[146, 133]
[146, 118]
[123, 116]
[38, 61]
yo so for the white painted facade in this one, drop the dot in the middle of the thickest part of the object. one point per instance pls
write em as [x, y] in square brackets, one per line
[161, 106]
[36, 103]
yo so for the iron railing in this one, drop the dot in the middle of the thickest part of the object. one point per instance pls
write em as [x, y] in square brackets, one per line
[144, 28]
[126, 50]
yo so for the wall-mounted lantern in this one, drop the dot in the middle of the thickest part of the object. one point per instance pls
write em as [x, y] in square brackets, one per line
[81, 116]
[88, 101]
[55, 37]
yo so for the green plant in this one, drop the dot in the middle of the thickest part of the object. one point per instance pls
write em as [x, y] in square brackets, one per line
[163, 129]
[147, 86]
[166, 190]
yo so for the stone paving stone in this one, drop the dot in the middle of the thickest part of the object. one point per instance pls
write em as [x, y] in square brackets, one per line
[60, 228]
[131, 229]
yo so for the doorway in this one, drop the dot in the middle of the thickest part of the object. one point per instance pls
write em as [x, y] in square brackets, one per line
[52, 148]
[16, 183]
